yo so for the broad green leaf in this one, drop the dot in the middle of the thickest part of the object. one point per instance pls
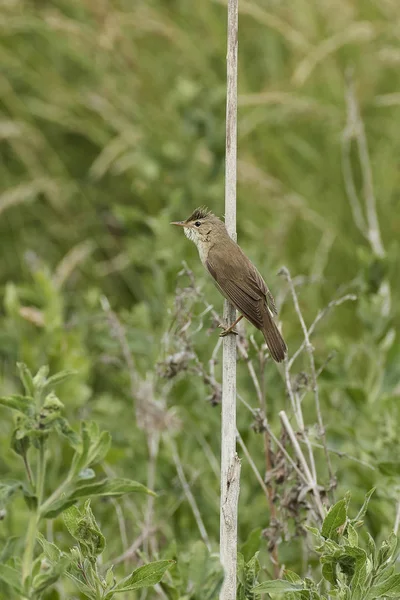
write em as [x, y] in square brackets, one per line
[46, 578]
[110, 577]
[83, 527]
[145, 576]
[335, 518]
[23, 404]
[53, 510]
[385, 573]
[93, 449]
[329, 570]
[352, 535]
[26, 377]
[360, 565]
[389, 588]
[387, 549]
[64, 428]
[11, 577]
[198, 565]
[313, 530]
[278, 586]
[252, 569]
[52, 552]
[108, 487]
[20, 445]
[252, 544]
[240, 574]
[292, 576]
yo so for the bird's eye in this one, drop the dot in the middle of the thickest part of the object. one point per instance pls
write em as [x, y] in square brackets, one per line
[198, 223]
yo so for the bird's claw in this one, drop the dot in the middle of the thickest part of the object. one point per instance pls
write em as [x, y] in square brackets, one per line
[227, 331]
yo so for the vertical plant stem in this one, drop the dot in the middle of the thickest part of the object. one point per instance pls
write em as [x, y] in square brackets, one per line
[31, 533]
[41, 469]
[230, 464]
[30, 539]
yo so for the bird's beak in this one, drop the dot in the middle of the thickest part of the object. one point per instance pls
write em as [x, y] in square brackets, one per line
[179, 223]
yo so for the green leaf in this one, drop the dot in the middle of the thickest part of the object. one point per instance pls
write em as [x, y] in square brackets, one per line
[335, 518]
[64, 428]
[145, 576]
[389, 588]
[253, 569]
[52, 552]
[240, 568]
[26, 377]
[363, 510]
[292, 576]
[352, 535]
[46, 578]
[198, 565]
[39, 381]
[371, 546]
[329, 570]
[108, 487]
[55, 508]
[110, 578]
[278, 586]
[20, 445]
[387, 549]
[11, 577]
[252, 544]
[313, 530]
[23, 404]
[384, 573]
[359, 567]
[93, 448]
[83, 527]
[59, 378]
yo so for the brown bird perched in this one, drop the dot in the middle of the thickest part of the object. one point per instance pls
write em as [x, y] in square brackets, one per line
[235, 276]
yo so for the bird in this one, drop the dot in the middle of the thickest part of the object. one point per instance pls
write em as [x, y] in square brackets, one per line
[235, 276]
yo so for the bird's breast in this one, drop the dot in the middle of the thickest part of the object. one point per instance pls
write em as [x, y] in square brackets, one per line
[203, 253]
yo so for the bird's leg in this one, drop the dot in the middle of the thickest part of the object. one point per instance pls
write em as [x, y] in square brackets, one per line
[230, 329]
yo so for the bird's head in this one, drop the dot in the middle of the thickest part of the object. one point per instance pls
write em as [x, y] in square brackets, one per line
[201, 226]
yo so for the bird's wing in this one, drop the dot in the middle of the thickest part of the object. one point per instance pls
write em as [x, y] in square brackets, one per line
[241, 283]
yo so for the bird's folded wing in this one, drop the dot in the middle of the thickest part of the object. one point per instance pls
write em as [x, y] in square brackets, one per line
[244, 295]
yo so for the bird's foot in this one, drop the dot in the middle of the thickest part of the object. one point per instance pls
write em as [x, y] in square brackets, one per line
[227, 330]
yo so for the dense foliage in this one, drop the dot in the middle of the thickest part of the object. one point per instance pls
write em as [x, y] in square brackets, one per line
[112, 125]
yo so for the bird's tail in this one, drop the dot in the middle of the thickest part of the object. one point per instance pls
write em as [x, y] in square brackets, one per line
[275, 342]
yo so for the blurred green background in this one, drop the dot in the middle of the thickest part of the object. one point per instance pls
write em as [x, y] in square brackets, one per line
[112, 125]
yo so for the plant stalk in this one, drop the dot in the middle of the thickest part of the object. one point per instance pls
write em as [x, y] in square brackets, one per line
[30, 540]
[230, 464]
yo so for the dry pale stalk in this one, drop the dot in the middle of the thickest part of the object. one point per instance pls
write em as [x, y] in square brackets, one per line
[230, 464]
[310, 351]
